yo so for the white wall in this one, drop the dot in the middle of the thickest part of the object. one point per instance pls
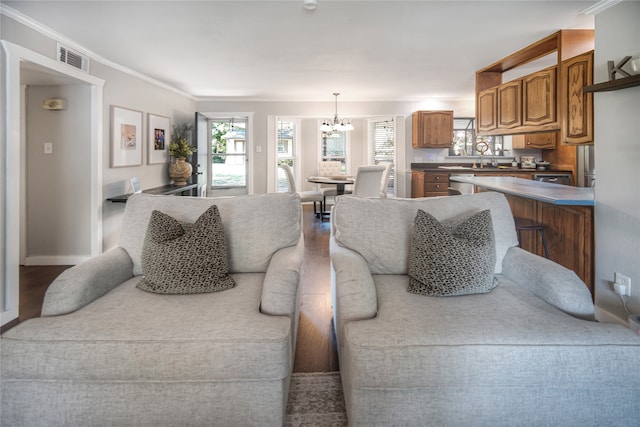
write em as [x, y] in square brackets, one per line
[58, 186]
[617, 153]
[130, 92]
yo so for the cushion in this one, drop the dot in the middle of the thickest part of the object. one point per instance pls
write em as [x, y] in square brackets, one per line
[452, 259]
[187, 259]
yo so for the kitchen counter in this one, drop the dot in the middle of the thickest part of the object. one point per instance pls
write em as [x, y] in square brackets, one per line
[431, 167]
[565, 213]
[542, 191]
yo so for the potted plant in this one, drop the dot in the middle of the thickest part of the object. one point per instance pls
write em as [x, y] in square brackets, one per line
[179, 148]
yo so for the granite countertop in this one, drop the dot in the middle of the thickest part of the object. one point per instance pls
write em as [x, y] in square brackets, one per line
[542, 191]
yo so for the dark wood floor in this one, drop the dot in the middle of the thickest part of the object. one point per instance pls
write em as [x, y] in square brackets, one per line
[315, 349]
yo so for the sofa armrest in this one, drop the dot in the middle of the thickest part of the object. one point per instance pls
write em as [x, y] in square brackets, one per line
[85, 282]
[354, 292]
[549, 281]
[281, 281]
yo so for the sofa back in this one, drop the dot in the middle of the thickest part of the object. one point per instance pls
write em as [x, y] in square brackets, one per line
[255, 226]
[380, 229]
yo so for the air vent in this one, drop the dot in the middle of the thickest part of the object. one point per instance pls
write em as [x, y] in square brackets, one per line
[73, 58]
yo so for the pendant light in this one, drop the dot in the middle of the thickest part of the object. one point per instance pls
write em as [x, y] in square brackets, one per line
[337, 124]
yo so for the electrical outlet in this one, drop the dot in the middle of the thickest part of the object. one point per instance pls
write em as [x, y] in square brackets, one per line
[622, 284]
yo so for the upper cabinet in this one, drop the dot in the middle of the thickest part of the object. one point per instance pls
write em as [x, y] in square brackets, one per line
[577, 106]
[534, 140]
[540, 101]
[486, 110]
[432, 129]
[510, 105]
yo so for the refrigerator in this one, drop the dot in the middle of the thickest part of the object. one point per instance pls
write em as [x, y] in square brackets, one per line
[586, 173]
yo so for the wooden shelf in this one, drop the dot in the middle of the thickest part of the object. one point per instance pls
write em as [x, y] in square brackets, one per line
[623, 83]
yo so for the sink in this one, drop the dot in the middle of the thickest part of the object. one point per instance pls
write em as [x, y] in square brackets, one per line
[454, 167]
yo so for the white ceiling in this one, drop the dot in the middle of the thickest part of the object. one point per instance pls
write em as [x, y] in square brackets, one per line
[276, 50]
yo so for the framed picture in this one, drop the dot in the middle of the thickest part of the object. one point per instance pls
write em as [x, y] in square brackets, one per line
[159, 137]
[126, 137]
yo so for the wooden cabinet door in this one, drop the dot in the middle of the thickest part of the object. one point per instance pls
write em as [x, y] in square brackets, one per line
[417, 184]
[576, 106]
[510, 105]
[486, 110]
[539, 98]
[432, 129]
[535, 140]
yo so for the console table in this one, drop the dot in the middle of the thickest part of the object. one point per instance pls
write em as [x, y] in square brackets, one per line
[169, 189]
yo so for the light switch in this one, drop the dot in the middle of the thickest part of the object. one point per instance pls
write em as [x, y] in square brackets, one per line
[258, 148]
[48, 148]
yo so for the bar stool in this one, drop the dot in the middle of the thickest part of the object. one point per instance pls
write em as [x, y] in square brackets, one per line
[528, 225]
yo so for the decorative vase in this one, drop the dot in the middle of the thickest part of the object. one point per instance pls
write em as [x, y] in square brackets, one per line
[180, 171]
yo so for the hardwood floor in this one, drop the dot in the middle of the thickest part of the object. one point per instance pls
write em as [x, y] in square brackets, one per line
[315, 347]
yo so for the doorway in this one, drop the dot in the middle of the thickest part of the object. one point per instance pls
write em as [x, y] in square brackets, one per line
[23, 69]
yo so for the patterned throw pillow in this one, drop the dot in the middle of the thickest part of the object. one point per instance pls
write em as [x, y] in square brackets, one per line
[452, 259]
[185, 259]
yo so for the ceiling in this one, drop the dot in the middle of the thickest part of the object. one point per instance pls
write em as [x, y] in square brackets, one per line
[277, 50]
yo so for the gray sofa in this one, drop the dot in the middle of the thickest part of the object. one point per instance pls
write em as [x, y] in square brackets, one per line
[526, 353]
[107, 353]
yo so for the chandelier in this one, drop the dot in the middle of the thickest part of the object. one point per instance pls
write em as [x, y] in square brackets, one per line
[337, 124]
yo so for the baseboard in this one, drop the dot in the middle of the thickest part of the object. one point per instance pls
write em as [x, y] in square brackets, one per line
[605, 316]
[55, 260]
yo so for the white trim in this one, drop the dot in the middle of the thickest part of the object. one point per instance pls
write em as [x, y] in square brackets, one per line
[14, 55]
[599, 7]
[249, 140]
[52, 34]
[272, 149]
[55, 260]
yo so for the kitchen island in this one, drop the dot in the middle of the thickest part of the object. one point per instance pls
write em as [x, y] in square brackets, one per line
[565, 212]
[541, 191]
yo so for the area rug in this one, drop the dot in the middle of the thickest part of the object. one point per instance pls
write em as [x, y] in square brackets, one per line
[316, 400]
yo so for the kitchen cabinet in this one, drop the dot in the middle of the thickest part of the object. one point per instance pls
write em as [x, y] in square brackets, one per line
[510, 105]
[487, 110]
[539, 98]
[575, 104]
[535, 140]
[432, 129]
[429, 184]
[538, 106]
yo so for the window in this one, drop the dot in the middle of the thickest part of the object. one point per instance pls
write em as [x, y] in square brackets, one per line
[335, 147]
[228, 152]
[383, 145]
[465, 141]
[286, 140]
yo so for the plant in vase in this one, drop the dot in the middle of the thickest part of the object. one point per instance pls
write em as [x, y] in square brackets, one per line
[179, 148]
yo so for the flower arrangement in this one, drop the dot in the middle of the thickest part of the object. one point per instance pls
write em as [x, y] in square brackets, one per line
[179, 146]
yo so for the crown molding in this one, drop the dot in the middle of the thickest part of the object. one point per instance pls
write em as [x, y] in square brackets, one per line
[54, 35]
[599, 7]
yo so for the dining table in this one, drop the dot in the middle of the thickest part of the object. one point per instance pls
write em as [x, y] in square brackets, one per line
[338, 180]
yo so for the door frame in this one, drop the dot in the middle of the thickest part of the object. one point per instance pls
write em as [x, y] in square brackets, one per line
[249, 151]
[13, 165]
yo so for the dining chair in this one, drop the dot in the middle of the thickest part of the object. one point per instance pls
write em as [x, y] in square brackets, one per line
[368, 181]
[314, 196]
[384, 183]
[202, 190]
[330, 168]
